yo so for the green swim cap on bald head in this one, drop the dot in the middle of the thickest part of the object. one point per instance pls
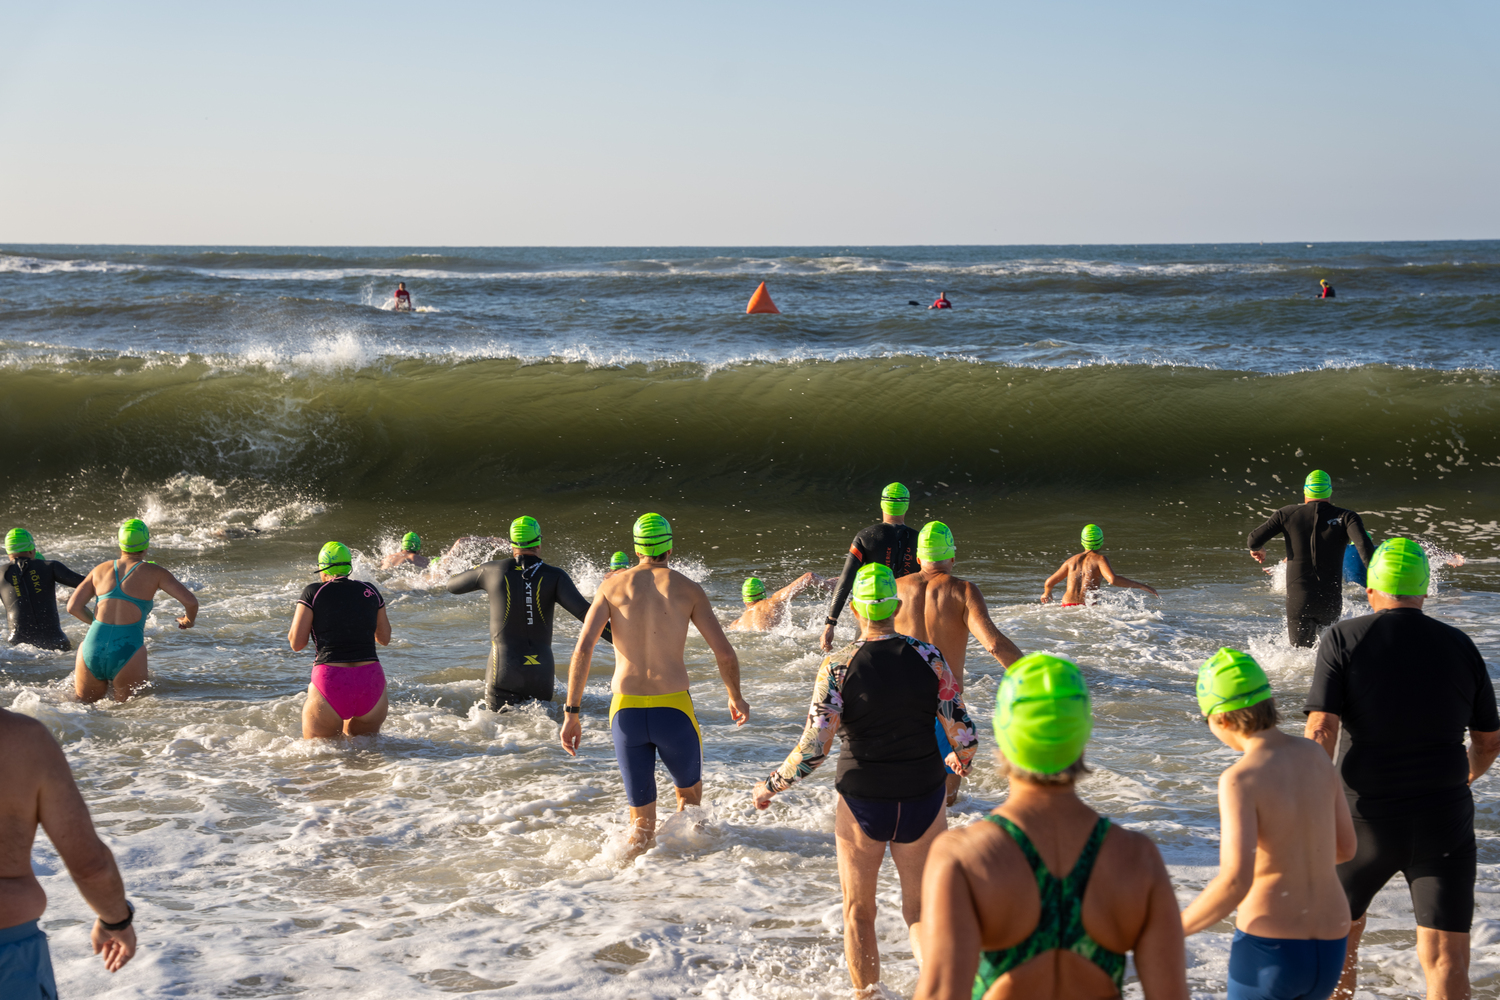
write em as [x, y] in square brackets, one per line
[753, 589]
[335, 560]
[134, 536]
[895, 499]
[1043, 714]
[1093, 536]
[18, 540]
[935, 543]
[874, 594]
[619, 561]
[1317, 485]
[525, 533]
[1229, 681]
[653, 536]
[411, 542]
[1399, 568]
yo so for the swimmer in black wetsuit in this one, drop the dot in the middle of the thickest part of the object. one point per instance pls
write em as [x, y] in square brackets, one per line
[524, 592]
[1326, 289]
[30, 594]
[1316, 532]
[890, 542]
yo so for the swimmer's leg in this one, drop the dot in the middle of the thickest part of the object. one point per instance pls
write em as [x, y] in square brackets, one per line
[676, 739]
[859, 872]
[636, 755]
[910, 860]
[86, 686]
[132, 675]
[319, 720]
[370, 722]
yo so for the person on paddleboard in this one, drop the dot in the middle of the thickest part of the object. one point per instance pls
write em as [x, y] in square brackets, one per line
[941, 302]
[403, 298]
[1326, 291]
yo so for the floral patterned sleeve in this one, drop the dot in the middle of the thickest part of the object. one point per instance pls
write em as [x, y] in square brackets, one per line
[822, 722]
[951, 713]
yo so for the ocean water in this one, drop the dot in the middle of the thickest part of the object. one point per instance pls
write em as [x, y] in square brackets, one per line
[252, 403]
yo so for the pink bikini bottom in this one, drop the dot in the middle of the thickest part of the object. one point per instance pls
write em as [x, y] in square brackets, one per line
[350, 691]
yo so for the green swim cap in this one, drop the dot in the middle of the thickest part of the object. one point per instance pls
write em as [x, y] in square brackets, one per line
[1317, 485]
[753, 589]
[134, 535]
[1230, 680]
[935, 543]
[1399, 568]
[653, 536]
[334, 559]
[874, 594]
[18, 540]
[619, 561]
[895, 499]
[525, 533]
[411, 542]
[1093, 537]
[1043, 715]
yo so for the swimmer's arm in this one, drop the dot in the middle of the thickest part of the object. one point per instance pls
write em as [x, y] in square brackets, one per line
[708, 626]
[852, 562]
[950, 931]
[578, 670]
[382, 627]
[1159, 956]
[1483, 749]
[1116, 580]
[1323, 729]
[1053, 581]
[1345, 841]
[1258, 538]
[983, 629]
[466, 582]
[302, 620]
[1358, 538]
[575, 604]
[1238, 831]
[796, 587]
[175, 589]
[64, 575]
[78, 601]
[823, 718]
[952, 715]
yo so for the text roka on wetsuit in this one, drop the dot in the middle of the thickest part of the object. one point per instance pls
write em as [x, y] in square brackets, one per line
[30, 597]
[895, 545]
[1316, 533]
[523, 595]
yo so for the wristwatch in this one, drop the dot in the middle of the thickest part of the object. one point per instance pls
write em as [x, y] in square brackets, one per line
[123, 923]
[830, 621]
[572, 709]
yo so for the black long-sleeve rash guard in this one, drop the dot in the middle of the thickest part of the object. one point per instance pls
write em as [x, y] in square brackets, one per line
[523, 596]
[1315, 534]
[892, 544]
[30, 596]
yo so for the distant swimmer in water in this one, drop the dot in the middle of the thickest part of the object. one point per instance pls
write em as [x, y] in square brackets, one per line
[1044, 898]
[345, 619]
[524, 593]
[940, 608]
[30, 594]
[881, 694]
[941, 302]
[1285, 828]
[411, 552]
[1085, 570]
[649, 607]
[1316, 532]
[1327, 289]
[112, 658]
[890, 542]
[764, 612]
[403, 298]
[617, 562]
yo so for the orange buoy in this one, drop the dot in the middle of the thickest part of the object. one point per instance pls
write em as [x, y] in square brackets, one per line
[761, 302]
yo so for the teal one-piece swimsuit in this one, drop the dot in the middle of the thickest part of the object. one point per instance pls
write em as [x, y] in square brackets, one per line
[107, 648]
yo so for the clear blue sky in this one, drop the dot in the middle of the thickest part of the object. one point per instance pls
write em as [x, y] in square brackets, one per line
[748, 124]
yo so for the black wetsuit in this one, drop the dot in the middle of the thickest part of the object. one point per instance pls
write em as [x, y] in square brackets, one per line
[523, 595]
[1316, 533]
[30, 596]
[1405, 688]
[892, 544]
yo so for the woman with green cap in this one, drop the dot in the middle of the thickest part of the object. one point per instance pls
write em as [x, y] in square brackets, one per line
[29, 591]
[1045, 898]
[112, 658]
[1284, 828]
[344, 618]
[880, 694]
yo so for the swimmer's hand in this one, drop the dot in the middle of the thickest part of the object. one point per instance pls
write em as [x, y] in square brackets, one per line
[117, 947]
[1259, 555]
[572, 732]
[739, 710]
[825, 641]
[1150, 590]
[1046, 598]
[959, 767]
[183, 622]
[762, 795]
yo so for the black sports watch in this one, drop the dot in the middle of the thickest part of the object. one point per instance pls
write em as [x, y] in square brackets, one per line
[123, 923]
[572, 709]
[830, 621]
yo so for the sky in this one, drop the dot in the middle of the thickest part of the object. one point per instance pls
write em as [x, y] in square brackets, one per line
[766, 124]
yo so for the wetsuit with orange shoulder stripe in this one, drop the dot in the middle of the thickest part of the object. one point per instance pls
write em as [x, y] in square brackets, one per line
[892, 544]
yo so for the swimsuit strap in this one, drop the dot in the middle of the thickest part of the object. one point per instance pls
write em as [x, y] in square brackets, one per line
[117, 592]
[1060, 925]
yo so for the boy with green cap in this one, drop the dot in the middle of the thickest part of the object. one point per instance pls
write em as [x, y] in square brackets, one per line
[1085, 570]
[1284, 827]
[891, 542]
[1407, 687]
[1044, 898]
[763, 611]
[410, 552]
[1316, 532]
[30, 593]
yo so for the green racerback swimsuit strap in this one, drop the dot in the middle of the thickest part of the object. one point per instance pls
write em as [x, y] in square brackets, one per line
[1060, 926]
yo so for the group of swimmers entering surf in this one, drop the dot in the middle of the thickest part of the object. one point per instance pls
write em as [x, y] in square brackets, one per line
[989, 911]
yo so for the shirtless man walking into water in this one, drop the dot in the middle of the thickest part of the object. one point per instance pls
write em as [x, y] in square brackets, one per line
[1084, 571]
[939, 608]
[648, 608]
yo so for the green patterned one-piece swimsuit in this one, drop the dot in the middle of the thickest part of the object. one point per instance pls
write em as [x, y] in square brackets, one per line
[1060, 926]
